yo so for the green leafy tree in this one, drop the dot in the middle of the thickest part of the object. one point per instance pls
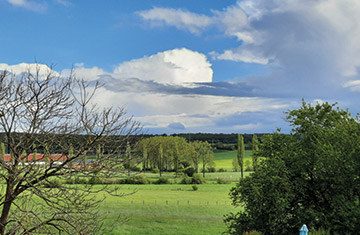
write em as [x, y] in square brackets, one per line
[145, 157]
[241, 153]
[204, 150]
[310, 176]
[255, 149]
[175, 150]
[161, 156]
[194, 155]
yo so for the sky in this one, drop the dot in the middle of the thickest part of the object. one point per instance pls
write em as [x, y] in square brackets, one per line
[185, 66]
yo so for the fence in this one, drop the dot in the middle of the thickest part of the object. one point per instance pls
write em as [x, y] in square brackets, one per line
[181, 202]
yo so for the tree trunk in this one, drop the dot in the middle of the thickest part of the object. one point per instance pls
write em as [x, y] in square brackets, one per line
[6, 208]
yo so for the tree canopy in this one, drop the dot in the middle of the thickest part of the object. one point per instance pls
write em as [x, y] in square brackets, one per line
[176, 153]
[310, 176]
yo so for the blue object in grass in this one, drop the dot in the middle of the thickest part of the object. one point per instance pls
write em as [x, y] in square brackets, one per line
[304, 230]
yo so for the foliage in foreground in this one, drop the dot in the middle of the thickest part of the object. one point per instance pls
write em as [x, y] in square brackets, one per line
[308, 177]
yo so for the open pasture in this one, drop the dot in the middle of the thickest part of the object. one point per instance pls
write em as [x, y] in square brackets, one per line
[168, 209]
[223, 158]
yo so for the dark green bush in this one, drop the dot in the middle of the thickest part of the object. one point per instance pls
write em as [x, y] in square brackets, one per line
[162, 180]
[221, 170]
[197, 179]
[211, 169]
[195, 188]
[155, 170]
[136, 179]
[190, 171]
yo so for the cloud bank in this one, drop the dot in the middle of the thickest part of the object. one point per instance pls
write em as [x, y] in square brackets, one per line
[302, 42]
[173, 91]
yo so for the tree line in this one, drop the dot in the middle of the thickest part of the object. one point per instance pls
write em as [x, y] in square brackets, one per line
[172, 153]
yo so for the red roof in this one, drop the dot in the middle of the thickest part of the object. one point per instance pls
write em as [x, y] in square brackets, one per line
[39, 157]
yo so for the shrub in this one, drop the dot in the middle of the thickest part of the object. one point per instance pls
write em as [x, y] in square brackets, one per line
[136, 179]
[162, 180]
[155, 170]
[223, 181]
[186, 180]
[190, 171]
[197, 179]
[221, 170]
[211, 169]
[195, 188]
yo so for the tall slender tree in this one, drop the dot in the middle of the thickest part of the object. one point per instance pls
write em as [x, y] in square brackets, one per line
[241, 153]
[161, 156]
[255, 150]
[145, 157]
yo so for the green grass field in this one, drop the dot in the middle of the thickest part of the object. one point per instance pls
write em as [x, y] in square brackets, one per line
[224, 158]
[169, 209]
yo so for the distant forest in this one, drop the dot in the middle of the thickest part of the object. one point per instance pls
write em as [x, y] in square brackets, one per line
[218, 141]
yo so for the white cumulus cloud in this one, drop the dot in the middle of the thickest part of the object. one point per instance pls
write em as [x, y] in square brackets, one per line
[28, 67]
[178, 66]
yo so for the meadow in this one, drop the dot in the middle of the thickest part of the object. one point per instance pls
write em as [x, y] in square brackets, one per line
[223, 158]
[174, 208]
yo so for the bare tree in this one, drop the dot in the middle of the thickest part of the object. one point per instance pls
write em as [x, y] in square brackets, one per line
[48, 113]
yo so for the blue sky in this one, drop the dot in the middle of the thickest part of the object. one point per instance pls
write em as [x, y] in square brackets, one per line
[194, 66]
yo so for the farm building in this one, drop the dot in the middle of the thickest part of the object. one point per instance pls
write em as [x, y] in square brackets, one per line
[39, 159]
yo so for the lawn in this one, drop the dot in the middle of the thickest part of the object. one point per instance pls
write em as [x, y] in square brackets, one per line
[169, 209]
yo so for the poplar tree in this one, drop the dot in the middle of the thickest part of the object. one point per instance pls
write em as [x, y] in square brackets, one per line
[255, 149]
[161, 156]
[145, 157]
[241, 154]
